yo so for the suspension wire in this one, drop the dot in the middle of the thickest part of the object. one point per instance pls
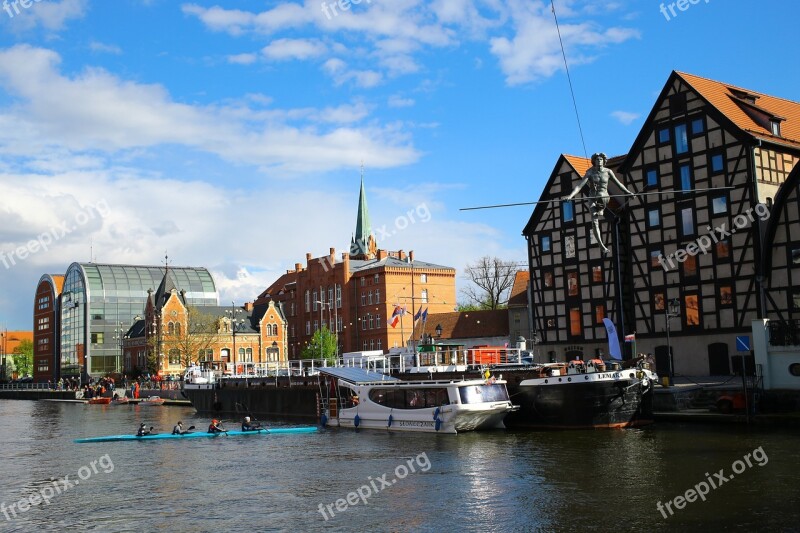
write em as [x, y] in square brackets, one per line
[569, 79]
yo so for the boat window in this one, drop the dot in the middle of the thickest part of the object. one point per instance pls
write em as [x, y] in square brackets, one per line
[420, 398]
[483, 393]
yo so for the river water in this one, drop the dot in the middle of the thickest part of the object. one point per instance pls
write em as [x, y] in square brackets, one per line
[610, 480]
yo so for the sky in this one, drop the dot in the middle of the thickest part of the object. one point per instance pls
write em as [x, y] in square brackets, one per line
[231, 135]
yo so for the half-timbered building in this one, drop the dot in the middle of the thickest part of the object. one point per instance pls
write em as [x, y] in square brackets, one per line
[707, 163]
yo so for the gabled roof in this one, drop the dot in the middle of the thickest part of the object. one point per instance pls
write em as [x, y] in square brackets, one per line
[732, 102]
[470, 324]
[518, 297]
[787, 190]
[579, 165]
[165, 290]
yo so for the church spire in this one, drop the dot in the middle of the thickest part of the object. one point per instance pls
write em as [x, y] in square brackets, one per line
[363, 242]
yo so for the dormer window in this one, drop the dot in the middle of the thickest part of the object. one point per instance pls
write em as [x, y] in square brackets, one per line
[775, 127]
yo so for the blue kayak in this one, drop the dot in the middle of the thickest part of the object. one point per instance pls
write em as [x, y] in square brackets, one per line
[201, 434]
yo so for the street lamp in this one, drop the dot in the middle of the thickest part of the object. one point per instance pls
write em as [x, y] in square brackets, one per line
[438, 330]
[119, 335]
[671, 310]
[232, 313]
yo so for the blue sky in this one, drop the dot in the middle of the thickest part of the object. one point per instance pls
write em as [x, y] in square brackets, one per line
[231, 134]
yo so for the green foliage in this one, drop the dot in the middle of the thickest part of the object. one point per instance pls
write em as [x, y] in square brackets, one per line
[23, 358]
[322, 346]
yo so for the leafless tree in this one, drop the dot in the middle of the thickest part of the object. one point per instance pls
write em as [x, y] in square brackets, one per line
[491, 279]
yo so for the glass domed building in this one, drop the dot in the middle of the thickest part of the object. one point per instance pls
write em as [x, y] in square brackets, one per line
[99, 303]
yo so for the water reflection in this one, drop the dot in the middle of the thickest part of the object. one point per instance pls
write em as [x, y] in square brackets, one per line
[490, 481]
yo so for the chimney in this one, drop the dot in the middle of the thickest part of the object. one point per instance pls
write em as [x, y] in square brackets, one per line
[382, 255]
[411, 256]
[401, 255]
[308, 260]
[298, 267]
[248, 306]
[346, 264]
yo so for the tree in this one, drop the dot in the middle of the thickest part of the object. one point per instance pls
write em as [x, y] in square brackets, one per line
[491, 279]
[23, 358]
[466, 307]
[198, 333]
[322, 346]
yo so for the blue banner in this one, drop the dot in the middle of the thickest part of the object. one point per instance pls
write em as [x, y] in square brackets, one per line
[613, 340]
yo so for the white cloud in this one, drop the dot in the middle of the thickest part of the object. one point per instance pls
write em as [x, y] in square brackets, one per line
[242, 59]
[287, 49]
[51, 15]
[398, 101]
[341, 74]
[108, 114]
[96, 46]
[520, 33]
[625, 117]
[534, 52]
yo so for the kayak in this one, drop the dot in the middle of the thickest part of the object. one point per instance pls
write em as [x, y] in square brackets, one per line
[200, 434]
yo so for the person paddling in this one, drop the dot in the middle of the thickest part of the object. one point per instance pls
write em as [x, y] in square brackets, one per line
[250, 426]
[178, 429]
[214, 427]
[143, 430]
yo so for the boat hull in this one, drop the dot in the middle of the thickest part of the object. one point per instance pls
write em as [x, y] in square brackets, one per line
[609, 403]
[200, 435]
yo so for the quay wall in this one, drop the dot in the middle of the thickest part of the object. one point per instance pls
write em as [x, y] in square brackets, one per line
[296, 401]
[32, 394]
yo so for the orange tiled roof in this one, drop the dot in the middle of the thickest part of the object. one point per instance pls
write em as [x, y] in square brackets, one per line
[720, 96]
[519, 291]
[580, 164]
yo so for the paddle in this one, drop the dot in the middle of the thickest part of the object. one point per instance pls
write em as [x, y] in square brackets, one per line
[257, 426]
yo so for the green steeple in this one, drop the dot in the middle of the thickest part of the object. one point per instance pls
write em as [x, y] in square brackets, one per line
[360, 243]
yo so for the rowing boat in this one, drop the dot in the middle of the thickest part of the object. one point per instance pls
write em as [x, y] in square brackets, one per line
[200, 434]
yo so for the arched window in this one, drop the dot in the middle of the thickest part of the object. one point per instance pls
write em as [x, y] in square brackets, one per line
[174, 356]
[171, 328]
[248, 355]
[177, 328]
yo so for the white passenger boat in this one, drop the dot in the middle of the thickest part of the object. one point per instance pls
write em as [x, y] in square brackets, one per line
[356, 398]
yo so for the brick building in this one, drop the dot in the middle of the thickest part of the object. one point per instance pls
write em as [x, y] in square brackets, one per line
[10, 341]
[175, 334]
[46, 328]
[356, 294]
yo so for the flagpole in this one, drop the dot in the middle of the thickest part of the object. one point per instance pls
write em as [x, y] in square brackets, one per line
[413, 312]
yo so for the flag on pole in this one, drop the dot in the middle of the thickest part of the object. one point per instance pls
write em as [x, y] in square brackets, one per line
[425, 315]
[630, 338]
[419, 314]
[398, 312]
[613, 340]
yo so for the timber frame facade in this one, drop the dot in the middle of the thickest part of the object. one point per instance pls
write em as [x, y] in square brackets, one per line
[734, 148]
